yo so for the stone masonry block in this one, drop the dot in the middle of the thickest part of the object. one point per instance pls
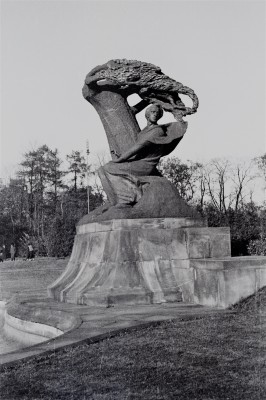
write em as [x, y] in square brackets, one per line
[184, 278]
[206, 287]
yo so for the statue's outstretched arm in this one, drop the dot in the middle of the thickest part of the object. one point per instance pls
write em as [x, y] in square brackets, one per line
[139, 106]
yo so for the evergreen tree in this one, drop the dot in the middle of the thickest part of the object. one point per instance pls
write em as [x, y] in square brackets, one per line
[77, 167]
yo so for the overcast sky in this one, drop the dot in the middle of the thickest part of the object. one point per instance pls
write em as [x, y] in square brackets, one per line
[215, 47]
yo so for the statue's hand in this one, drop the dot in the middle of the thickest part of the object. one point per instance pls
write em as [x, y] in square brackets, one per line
[117, 155]
[119, 160]
[178, 114]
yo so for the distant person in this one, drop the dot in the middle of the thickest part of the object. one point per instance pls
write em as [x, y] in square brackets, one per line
[1, 255]
[12, 251]
[30, 252]
[4, 252]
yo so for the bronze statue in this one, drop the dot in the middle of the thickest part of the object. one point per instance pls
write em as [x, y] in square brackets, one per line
[131, 180]
[124, 178]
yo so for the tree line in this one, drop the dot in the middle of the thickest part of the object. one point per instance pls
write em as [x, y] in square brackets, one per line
[44, 201]
[223, 193]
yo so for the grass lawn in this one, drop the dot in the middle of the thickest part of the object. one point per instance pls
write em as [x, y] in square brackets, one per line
[26, 275]
[221, 357]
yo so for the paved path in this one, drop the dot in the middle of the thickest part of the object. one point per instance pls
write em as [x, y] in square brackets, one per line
[92, 323]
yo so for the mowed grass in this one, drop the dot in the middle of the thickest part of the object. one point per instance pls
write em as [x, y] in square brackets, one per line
[216, 357]
[26, 276]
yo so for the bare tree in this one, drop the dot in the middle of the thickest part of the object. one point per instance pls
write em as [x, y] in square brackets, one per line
[216, 180]
[227, 184]
[241, 176]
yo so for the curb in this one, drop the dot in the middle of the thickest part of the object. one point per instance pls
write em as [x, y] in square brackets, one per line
[93, 339]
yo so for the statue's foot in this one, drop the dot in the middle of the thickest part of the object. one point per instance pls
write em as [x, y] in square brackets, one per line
[119, 206]
[108, 206]
[105, 208]
[123, 205]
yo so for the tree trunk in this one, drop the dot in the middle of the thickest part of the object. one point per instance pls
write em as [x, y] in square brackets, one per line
[119, 121]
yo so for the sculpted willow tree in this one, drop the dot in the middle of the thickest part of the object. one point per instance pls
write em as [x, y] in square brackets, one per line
[133, 185]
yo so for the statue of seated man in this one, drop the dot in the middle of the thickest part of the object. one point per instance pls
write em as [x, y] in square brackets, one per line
[125, 178]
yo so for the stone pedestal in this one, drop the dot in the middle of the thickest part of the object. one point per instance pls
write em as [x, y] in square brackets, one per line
[137, 261]
[221, 282]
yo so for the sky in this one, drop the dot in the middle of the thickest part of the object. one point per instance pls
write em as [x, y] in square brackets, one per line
[215, 47]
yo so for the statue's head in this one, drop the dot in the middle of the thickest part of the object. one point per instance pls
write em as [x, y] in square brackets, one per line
[154, 113]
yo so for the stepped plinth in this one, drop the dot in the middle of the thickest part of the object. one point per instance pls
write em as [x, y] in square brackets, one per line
[141, 261]
[149, 261]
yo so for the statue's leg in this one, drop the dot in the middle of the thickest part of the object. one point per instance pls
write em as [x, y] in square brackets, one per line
[128, 190]
[120, 187]
[107, 187]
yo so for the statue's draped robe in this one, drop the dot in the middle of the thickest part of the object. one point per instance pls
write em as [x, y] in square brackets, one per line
[124, 182]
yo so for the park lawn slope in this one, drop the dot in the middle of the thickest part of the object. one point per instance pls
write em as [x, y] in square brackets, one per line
[216, 357]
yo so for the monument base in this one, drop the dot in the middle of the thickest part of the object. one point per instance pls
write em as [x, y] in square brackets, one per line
[137, 261]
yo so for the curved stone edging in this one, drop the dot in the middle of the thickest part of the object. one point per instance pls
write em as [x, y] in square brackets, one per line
[36, 350]
[28, 332]
[2, 304]
[2, 313]
[58, 343]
